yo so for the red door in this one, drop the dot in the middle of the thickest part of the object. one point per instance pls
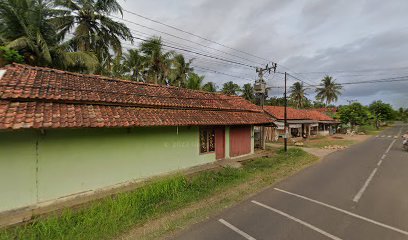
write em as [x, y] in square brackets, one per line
[240, 140]
[220, 143]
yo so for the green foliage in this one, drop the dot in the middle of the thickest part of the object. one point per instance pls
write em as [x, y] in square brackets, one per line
[276, 101]
[402, 114]
[194, 81]
[209, 87]
[181, 71]
[381, 112]
[328, 90]
[93, 28]
[157, 61]
[230, 88]
[355, 114]
[8, 55]
[27, 26]
[248, 92]
[298, 95]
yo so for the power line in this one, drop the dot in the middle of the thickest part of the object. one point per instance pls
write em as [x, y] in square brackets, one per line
[181, 38]
[384, 80]
[201, 54]
[195, 35]
[356, 70]
[222, 73]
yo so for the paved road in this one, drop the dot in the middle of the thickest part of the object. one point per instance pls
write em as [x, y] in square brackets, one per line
[358, 193]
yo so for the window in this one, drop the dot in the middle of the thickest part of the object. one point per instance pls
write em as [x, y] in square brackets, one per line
[207, 140]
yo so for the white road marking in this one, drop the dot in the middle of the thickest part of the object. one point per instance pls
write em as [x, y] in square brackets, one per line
[345, 211]
[362, 190]
[298, 220]
[383, 156]
[389, 136]
[379, 162]
[235, 229]
[389, 147]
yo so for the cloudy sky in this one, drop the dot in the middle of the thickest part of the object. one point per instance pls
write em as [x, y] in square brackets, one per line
[351, 40]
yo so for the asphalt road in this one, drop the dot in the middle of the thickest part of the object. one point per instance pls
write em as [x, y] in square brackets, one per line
[358, 193]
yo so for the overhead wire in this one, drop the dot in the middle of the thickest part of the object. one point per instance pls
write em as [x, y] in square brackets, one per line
[193, 34]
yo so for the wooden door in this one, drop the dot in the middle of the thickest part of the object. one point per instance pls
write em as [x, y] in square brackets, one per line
[240, 140]
[220, 143]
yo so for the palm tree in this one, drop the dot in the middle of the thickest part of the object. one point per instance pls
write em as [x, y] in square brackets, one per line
[25, 26]
[298, 95]
[134, 63]
[328, 90]
[194, 81]
[93, 29]
[209, 87]
[181, 71]
[157, 61]
[230, 88]
[248, 92]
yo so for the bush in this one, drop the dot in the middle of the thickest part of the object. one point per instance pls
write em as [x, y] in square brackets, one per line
[8, 55]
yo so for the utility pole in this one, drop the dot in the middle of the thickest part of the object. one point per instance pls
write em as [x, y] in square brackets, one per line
[286, 119]
[260, 87]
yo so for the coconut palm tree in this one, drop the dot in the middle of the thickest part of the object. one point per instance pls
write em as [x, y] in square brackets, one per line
[25, 26]
[194, 81]
[209, 87]
[328, 90]
[134, 62]
[181, 71]
[92, 27]
[157, 61]
[298, 95]
[230, 88]
[248, 92]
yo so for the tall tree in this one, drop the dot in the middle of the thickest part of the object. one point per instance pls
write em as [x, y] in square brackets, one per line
[381, 112]
[194, 81]
[298, 95]
[134, 63]
[26, 26]
[158, 62]
[328, 90]
[230, 88]
[209, 87]
[181, 71]
[94, 29]
[355, 114]
[248, 92]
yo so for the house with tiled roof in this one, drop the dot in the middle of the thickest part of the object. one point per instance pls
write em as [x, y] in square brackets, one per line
[301, 123]
[63, 134]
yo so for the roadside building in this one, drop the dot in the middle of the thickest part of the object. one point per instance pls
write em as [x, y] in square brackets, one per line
[64, 134]
[302, 123]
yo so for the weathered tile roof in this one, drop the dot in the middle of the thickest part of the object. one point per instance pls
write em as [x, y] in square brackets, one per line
[34, 97]
[296, 114]
[292, 114]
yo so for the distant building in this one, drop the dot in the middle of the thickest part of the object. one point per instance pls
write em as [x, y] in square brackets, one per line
[301, 123]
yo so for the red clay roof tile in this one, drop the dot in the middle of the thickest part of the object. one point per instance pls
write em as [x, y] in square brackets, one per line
[34, 97]
[296, 114]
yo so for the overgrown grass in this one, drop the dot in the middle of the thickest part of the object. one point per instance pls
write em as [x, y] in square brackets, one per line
[328, 141]
[370, 129]
[112, 216]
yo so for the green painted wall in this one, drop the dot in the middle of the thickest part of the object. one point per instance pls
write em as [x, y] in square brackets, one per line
[17, 169]
[73, 161]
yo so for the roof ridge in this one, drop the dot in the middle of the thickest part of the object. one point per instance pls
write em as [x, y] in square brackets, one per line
[101, 77]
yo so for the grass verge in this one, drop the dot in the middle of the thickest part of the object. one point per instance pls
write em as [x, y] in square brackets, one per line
[112, 216]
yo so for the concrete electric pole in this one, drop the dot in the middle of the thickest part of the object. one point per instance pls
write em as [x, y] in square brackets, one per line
[260, 88]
